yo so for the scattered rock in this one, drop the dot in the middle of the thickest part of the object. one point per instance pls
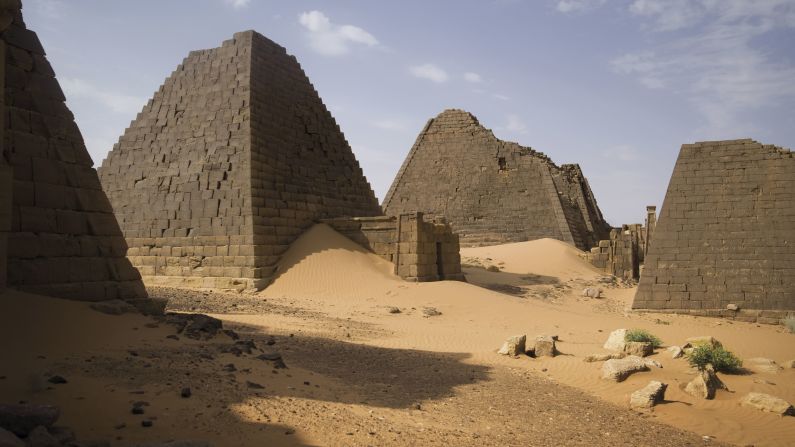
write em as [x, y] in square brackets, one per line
[545, 346]
[185, 392]
[231, 334]
[146, 423]
[702, 340]
[732, 307]
[58, 380]
[254, 385]
[40, 437]
[230, 367]
[114, 307]
[602, 357]
[675, 351]
[138, 407]
[8, 439]
[620, 369]
[430, 312]
[648, 396]
[761, 365]
[150, 306]
[766, 402]
[394, 310]
[195, 326]
[592, 292]
[21, 419]
[638, 348]
[616, 340]
[705, 384]
[274, 357]
[513, 345]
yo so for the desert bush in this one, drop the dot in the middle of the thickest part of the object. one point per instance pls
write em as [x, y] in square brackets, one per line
[720, 359]
[789, 323]
[644, 336]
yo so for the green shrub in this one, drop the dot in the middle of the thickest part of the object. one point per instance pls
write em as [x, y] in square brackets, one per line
[643, 335]
[720, 359]
[789, 323]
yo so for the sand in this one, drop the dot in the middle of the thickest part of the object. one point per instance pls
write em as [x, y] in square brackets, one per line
[382, 378]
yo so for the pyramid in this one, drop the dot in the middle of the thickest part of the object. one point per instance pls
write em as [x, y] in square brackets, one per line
[58, 235]
[230, 161]
[725, 234]
[493, 191]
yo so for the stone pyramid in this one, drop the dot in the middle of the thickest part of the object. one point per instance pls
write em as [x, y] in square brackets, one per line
[62, 238]
[229, 162]
[725, 235]
[493, 191]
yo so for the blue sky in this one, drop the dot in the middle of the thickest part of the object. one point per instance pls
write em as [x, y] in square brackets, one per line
[616, 86]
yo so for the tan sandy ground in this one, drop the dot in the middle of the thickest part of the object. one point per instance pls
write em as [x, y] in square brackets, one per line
[381, 378]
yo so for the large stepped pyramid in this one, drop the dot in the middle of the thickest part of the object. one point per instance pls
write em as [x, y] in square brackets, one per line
[230, 161]
[493, 191]
[58, 235]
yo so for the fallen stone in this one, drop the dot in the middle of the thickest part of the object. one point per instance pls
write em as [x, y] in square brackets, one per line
[21, 419]
[394, 310]
[592, 292]
[705, 384]
[702, 340]
[430, 312]
[619, 369]
[195, 326]
[254, 385]
[648, 396]
[147, 423]
[616, 340]
[761, 365]
[8, 439]
[114, 307]
[675, 351]
[40, 437]
[545, 346]
[185, 392]
[638, 348]
[274, 357]
[766, 402]
[513, 345]
[732, 307]
[57, 380]
[603, 357]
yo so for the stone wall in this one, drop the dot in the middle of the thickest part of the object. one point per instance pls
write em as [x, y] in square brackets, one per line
[493, 191]
[229, 162]
[420, 250]
[620, 255]
[64, 240]
[725, 234]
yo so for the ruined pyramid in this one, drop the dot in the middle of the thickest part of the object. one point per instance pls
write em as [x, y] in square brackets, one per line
[493, 191]
[230, 161]
[58, 235]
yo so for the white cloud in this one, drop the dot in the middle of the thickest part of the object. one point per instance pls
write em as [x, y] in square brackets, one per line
[330, 39]
[387, 124]
[566, 6]
[237, 4]
[472, 77]
[78, 89]
[501, 97]
[621, 152]
[515, 124]
[430, 72]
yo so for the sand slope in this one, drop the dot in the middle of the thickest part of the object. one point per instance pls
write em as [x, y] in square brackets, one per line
[549, 257]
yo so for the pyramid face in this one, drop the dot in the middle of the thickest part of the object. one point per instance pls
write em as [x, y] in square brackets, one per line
[726, 232]
[230, 161]
[493, 191]
[63, 239]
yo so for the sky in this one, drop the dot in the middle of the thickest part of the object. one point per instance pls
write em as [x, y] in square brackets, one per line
[614, 85]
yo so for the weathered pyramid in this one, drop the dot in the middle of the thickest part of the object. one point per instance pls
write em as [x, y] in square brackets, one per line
[62, 237]
[493, 191]
[725, 235]
[230, 161]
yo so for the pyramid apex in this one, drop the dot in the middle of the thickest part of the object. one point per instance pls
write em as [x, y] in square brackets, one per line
[458, 115]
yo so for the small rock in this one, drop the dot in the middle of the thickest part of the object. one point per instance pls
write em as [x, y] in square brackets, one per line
[732, 307]
[58, 380]
[114, 307]
[270, 342]
[705, 384]
[638, 348]
[20, 419]
[592, 292]
[761, 365]
[8, 439]
[766, 402]
[394, 310]
[619, 369]
[254, 385]
[185, 392]
[231, 334]
[675, 351]
[138, 407]
[545, 346]
[430, 312]
[146, 423]
[230, 367]
[602, 357]
[274, 357]
[616, 340]
[513, 346]
[648, 396]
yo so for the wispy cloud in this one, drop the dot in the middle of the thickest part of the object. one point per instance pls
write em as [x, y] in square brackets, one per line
[515, 124]
[430, 72]
[330, 39]
[501, 97]
[566, 6]
[713, 58]
[78, 89]
[388, 124]
[621, 152]
[237, 4]
[472, 77]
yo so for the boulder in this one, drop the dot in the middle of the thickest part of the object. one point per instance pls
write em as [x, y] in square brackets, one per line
[22, 418]
[692, 342]
[545, 346]
[761, 365]
[114, 307]
[616, 340]
[766, 402]
[638, 348]
[40, 437]
[513, 345]
[602, 357]
[619, 369]
[8, 439]
[592, 292]
[675, 351]
[705, 384]
[648, 396]
[789, 364]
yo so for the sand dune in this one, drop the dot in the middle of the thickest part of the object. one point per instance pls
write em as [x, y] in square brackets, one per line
[549, 257]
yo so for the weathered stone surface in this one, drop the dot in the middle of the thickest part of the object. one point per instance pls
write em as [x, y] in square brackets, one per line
[761, 365]
[513, 345]
[8, 439]
[737, 198]
[675, 351]
[616, 340]
[602, 357]
[619, 369]
[648, 396]
[592, 292]
[705, 384]
[638, 348]
[766, 402]
[20, 419]
[493, 191]
[114, 307]
[544, 346]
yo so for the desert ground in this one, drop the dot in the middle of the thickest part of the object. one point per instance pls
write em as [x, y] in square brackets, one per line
[374, 360]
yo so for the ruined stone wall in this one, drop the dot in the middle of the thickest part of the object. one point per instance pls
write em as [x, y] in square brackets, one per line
[420, 250]
[490, 190]
[725, 233]
[620, 255]
[64, 240]
[231, 160]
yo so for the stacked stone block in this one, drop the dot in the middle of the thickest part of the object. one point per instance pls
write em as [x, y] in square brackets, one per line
[493, 191]
[420, 250]
[725, 234]
[63, 238]
[620, 255]
[229, 162]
